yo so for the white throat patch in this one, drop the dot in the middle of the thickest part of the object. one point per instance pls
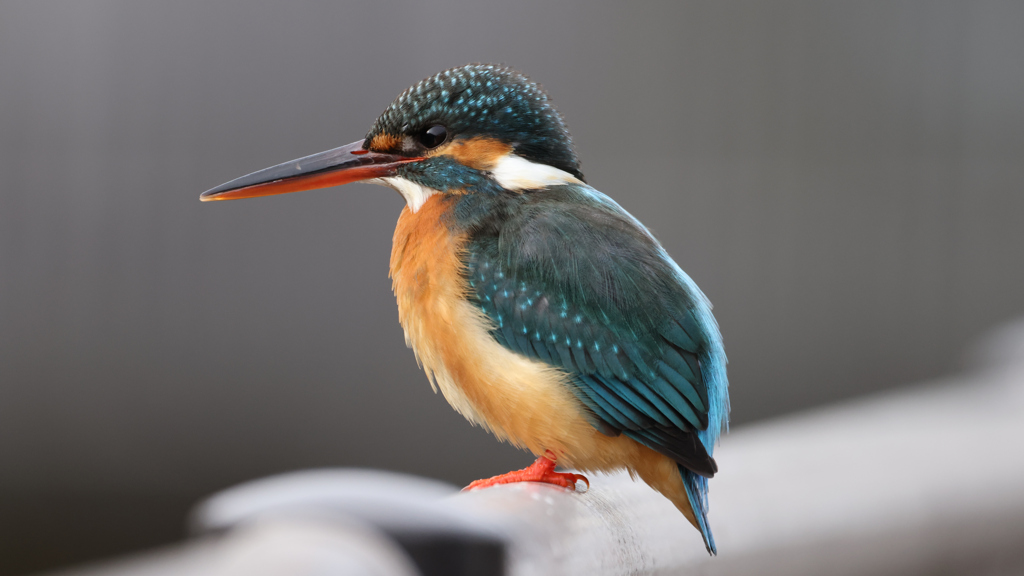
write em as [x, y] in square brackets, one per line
[415, 194]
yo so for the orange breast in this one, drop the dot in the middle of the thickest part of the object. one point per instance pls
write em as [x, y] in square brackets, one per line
[517, 398]
[524, 401]
[426, 271]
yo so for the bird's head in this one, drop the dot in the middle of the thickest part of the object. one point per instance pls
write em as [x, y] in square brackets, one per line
[479, 128]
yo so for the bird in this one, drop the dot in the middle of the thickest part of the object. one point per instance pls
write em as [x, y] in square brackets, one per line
[542, 310]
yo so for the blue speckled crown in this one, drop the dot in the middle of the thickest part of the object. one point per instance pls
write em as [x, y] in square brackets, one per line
[485, 100]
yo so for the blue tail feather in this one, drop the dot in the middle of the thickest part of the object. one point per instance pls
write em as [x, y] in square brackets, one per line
[697, 491]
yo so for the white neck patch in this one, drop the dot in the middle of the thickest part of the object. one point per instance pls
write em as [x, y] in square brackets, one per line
[517, 173]
[511, 172]
[415, 194]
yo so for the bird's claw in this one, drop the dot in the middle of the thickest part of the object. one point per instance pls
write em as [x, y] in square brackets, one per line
[543, 470]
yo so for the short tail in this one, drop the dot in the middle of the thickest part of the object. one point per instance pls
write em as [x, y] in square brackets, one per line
[697, 491]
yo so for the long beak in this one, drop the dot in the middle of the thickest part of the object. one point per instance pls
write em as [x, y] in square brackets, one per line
[349, 163]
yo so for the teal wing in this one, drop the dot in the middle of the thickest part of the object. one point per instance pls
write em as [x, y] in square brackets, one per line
[573, 280]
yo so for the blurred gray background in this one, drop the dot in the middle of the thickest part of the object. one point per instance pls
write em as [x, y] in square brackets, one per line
[844, 181]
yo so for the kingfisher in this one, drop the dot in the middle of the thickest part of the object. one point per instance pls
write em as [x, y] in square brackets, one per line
[543, 311]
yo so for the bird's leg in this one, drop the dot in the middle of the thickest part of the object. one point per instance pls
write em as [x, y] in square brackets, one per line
[543, 470]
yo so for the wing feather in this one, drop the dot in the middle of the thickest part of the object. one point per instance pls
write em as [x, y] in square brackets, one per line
[582, 286]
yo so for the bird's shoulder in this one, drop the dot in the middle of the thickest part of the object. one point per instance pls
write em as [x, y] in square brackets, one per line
[587, 253]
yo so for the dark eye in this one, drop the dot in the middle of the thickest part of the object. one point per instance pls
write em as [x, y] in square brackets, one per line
[434, 136]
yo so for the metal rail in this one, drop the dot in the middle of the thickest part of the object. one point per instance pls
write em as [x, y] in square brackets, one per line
[929, 481]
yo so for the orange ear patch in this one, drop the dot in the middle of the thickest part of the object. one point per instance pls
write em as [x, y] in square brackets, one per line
[478, 153]
[385, 143]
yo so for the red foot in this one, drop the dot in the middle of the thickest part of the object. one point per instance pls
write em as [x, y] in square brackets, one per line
[543, 470]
